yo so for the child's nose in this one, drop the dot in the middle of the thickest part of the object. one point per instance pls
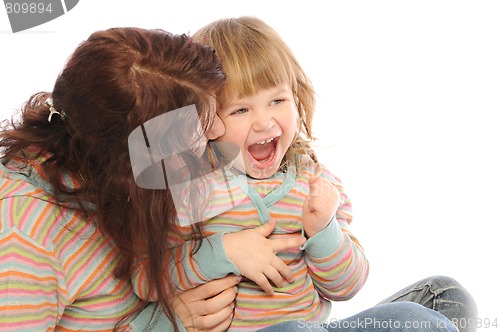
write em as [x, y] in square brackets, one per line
[263, 123]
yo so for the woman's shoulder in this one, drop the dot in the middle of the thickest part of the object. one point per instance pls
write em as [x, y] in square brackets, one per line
[33, 211]
[15, 183]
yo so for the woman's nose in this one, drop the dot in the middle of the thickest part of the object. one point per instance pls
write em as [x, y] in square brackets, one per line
[217, 130]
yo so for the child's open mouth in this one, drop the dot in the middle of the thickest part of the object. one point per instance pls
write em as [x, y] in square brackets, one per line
[263, 152]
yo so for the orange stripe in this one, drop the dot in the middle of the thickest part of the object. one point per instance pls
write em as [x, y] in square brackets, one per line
[224, 192]
[39, 169]
[27, 276]
[266, 183]
[76, 255]
[39, 219]
[262, 296]
[140, 285]
[23, 307]
[334, 254]
[282, 312]
[287, 216]
[301, 194]
[23, 241]
[97, 271]
[69, 225]
[240, 213]
[6, 183]
[355, 283]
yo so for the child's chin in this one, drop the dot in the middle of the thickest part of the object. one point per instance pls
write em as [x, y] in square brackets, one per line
[258, 173]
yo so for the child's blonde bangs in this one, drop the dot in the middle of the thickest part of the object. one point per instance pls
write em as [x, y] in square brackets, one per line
[253, 55]
[256, 69]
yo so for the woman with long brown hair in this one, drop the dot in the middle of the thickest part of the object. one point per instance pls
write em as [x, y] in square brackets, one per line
[73, 220]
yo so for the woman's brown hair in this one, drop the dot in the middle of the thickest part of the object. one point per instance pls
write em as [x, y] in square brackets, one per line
[114, 82]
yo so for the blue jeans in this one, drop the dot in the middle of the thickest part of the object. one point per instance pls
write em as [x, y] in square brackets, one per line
[432, 304]
[396, 316]
[444, 295]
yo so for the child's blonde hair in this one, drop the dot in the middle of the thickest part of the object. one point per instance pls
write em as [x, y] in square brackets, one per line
[255, 57]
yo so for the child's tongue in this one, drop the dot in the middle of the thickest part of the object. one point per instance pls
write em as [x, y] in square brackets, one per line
[261, 151]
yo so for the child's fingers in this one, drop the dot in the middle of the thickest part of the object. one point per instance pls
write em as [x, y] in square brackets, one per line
[317, 171]
[274, 276]
[283, 269]
[319, 187]
[263, 283]
[266, 229]
[285, 243]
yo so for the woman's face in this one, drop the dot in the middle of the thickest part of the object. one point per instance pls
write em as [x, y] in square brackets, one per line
[217, 130]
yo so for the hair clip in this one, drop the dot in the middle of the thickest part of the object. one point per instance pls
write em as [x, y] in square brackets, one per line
[49, 102]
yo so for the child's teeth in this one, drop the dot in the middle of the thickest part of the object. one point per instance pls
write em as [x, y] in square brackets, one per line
[265, 141]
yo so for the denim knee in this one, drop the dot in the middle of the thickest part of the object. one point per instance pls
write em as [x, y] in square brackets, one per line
[394, 317]
[415, 317]
[454, 301]
[451, 290]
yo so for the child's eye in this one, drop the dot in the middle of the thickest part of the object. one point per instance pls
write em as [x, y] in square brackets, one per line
[277, 101]
[240, 111]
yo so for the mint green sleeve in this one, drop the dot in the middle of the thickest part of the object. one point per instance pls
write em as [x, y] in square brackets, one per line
[208, 263]
[145, 321]
[325, 242]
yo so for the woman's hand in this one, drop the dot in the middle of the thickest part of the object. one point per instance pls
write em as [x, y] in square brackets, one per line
[255, 255]
[208, 307]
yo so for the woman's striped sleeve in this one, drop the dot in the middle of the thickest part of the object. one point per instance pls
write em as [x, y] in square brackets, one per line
[32, 287]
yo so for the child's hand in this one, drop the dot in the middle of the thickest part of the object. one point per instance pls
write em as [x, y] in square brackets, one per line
[255, 255]
[320, 206]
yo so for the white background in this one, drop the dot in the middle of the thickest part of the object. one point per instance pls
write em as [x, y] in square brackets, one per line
[407, 116]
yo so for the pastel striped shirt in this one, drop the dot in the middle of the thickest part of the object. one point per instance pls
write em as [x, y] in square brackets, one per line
[56, 268]
[330, 266]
